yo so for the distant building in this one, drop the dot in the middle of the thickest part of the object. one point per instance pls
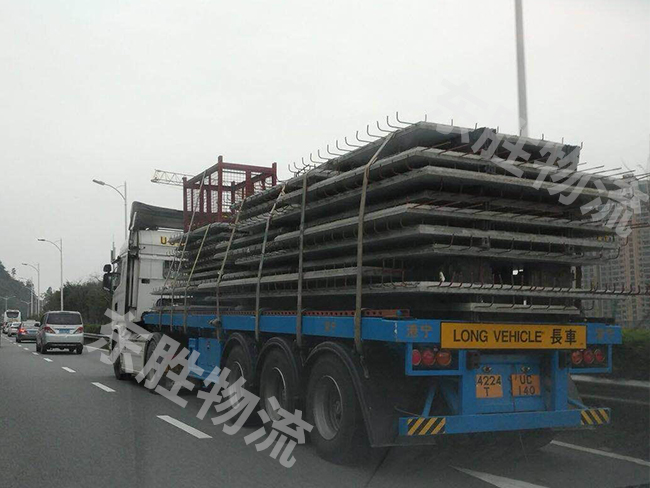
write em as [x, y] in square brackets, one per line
[630, 270]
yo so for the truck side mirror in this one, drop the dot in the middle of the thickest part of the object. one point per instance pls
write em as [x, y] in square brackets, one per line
[108, 268]
[106, 282]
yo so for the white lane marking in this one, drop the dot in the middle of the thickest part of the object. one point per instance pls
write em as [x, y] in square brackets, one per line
[578, 378]
[640, 462]
[104, 387]
[190, 430]
[35, 353]
[499, 481]
[613, 399]
[68, 369]
[47, 359]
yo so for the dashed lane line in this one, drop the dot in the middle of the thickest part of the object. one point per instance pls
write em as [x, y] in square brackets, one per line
[69, 370]
[190, 430]
[47, 359]
[612, 455]
[104, 387]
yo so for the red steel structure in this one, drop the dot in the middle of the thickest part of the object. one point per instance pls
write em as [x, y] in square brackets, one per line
[212, 194]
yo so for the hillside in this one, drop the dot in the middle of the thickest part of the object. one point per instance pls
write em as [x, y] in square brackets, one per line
[10, 287]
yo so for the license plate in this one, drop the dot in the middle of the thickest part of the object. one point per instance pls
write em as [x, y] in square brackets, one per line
[489, 386]
[64, 331]
[525, 385]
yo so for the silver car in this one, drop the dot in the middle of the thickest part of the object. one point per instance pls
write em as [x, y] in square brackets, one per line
[12, 329]
[60, 330]
[27, 331]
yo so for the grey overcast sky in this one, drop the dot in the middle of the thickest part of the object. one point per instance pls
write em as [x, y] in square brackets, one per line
[113, 89]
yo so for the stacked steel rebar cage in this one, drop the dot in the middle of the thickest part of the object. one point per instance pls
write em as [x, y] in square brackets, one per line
[419, 219]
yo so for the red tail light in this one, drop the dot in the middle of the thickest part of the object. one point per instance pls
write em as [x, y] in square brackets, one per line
[600, 355]
[576, 357]
[443, 358]
[80, 330]
[21, 331]
[416, 357]
[49, 330]
[428, 357]
[588, 356]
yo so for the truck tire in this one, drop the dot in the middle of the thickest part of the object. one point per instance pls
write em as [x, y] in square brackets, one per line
[151, 347]
[339, 434]
[117, 367]
[278, 380]
[239, 364]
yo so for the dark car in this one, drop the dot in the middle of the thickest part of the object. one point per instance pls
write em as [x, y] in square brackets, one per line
[27, 331]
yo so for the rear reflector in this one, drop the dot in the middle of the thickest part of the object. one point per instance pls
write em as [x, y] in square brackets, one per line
[576, 357]
[443, 358]
[416, 357]
[600, 355]
[588, 356]
[428, 357]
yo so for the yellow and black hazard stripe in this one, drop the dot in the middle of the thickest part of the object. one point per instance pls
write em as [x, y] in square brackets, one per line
[426, 426]
[594, 416]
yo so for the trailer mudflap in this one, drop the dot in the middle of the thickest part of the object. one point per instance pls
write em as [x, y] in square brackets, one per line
[464, 424]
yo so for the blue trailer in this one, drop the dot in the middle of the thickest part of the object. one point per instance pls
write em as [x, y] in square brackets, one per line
[425, 286]
[403, 398]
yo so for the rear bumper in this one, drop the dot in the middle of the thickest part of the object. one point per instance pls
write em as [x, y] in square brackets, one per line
[60, 340]
[465, 424]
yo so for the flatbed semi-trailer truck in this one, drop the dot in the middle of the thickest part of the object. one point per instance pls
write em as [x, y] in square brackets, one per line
[408, 291]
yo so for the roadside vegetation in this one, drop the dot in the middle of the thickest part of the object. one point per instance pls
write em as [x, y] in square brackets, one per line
[632, 358]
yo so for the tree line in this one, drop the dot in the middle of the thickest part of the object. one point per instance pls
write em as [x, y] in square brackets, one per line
[86, 297]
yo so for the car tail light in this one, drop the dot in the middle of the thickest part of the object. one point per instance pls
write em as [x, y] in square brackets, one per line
[600, 355]
[416, 357]
[49, 330]
[443, 358]
[80, 330]
[588, 356]
[21, 331]
[428, 357]
[576, 357]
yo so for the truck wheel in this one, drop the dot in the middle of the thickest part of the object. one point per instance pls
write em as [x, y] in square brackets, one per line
[117, 365]
[151, 347]
[278, 380]
[239, 364]
[339, 434]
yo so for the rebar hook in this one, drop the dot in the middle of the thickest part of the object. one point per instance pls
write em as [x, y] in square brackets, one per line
[369, 134]
[351, 145]
[388, 123]
[361, 140]
[382, 130]
[327, 148]
[402, 121]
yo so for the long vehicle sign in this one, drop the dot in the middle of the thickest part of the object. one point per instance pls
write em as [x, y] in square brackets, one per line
[465, 335]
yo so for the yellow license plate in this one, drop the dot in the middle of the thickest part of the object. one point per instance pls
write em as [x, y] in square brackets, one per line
[465, 335]
[489, 386]
[525, 385]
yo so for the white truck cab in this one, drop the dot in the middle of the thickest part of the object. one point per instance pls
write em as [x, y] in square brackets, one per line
[144, 260]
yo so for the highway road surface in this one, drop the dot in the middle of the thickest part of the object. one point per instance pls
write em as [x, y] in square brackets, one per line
[65, 421]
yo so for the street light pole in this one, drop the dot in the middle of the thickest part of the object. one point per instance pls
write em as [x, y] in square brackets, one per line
[521, 70]
[38, 275]
[124, 197]
[60, 248]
